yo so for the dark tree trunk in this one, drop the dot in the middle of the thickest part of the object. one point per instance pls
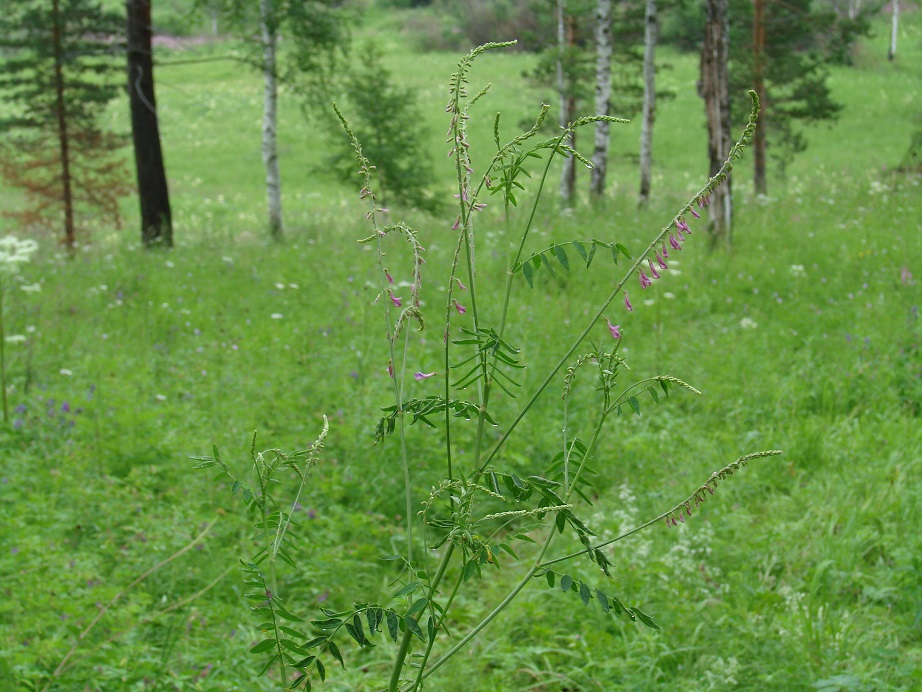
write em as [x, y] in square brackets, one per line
[67, 195]
[715, 89]
[758, 64]
[156, 220]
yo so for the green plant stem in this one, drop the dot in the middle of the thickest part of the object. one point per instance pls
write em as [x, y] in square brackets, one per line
[407, 635]
[6, 415]
[523, 582]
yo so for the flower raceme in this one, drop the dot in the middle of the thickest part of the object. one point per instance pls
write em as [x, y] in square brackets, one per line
[681, 229]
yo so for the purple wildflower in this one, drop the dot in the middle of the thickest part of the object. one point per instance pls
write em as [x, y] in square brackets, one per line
[694, 213]
[460, 308]
[662, 264]
[674, 243]
[460, 285]
[665, 253]
[627, 303]
[644, 279]
[390, 369]
[65, 407]
[653, 272]
[387, 275]
[456, 224]
[615, 329]
[420, 376]
[395, 300]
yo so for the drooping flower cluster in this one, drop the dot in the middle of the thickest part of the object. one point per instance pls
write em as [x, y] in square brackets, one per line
[676, 238]
[684, 509]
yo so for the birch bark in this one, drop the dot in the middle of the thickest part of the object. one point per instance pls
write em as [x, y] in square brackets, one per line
[602, 97]
[568, 174]
[649, 100]
[894, 28]
[269, 32]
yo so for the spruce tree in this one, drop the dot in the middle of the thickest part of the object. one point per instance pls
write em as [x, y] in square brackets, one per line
[777, 49]
[59, 68]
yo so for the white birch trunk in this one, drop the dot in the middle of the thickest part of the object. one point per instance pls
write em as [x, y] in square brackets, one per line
[649, 100]
[894, 28]
[270, 117]
[566, 175]
[602, 97]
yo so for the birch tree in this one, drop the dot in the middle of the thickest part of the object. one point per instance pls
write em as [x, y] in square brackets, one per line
[316, 33]
[602, 98]
[649, 99]
[268, 30]
[894, 28]
[565, 38]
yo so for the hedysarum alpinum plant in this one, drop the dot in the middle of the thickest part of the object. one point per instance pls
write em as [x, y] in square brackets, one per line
[479, 511]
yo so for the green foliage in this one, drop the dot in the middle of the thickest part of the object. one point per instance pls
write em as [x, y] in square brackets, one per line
[61, 65]
[805, 571]
[387, 119]
[795, 71]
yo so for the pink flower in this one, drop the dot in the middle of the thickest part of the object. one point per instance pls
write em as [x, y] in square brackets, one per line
[674, 243]
[395, 300]
[644, 279]
[460, 308]
[665, 254]
[615, 329]
[460, 285]
[662, 264]
[390, 369]
[694, 213]
[387, 274]
[456, 224]
[653, 272]
[420, 376]
[627, 303]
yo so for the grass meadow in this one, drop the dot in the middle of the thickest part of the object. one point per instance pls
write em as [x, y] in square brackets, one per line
[805, 572]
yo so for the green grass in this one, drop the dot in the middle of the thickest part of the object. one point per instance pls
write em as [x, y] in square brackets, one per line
[803, 571]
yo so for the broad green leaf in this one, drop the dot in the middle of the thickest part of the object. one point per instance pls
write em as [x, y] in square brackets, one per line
[602, 598]
[562, 257]
[585, 593]
[262, 646]
[634, 404]
[392, 624]
[417, 607]
[413, 626]
[550, 578]
[566, 581]
[645, 619]
[335, 653]
[529, 274]
[321, 670]
[581, 249]
[409, 588]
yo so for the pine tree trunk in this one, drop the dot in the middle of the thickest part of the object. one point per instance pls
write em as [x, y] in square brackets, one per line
[602, 98]
[67, 197]
[894, 28]
[715, 89]
[568, 173]
[269, 31]
[649, 100]
[153, 192]
[758, 64]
